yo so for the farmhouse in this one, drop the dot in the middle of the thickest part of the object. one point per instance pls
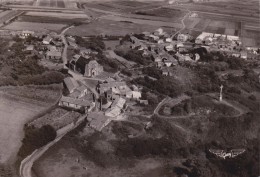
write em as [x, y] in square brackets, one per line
[87, 67]
[78, 104]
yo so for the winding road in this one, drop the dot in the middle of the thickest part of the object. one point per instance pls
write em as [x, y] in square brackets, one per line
[26, 165]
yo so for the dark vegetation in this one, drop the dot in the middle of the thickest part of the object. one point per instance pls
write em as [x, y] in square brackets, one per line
[153, 72]
[93, 43]
[36, 138]
[135, 56]
[97, 44]
[19, 68]
[164, 85]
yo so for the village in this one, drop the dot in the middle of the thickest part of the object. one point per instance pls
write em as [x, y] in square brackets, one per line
[105, 96]
[129, 88]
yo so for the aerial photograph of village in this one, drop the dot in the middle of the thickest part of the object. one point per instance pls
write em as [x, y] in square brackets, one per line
[129, 88]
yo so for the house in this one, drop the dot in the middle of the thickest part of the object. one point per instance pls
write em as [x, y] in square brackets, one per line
[116, 86]
[166, 72]
[98, 120]
[71, 84]
[183, 37]
[47, 40]
[156, 57]
[116, 107]
[235, 54]
[155, 38]
[27, 33]
[78, 104]
[29, 48]
[168, 63]
[144, 102]
[87, 52]
[136, 95]
[159, 64]
[79, 92]
[193, 15]
[169, 47]
[160, 41]
[87, 67]
[168, 39]
[53, 55]
[243, 54]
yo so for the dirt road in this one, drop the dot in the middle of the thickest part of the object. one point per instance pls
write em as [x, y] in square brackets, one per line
[27, 163]
[64, 41]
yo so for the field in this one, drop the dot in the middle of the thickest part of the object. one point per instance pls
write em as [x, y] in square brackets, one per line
[58, 15]
[15, 110]
[114, 28]
[56, 3]
[163, 12]
[39, 27]
[7, 15]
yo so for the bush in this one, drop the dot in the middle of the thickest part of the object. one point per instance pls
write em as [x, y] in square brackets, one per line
[252, 97]
[165, 85]
[36, 138]
[126, 72]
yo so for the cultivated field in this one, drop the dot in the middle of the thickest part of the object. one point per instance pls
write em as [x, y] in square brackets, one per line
[56, 3]
[39, 27]
[7, 15]
[18, 106]
[144, 21]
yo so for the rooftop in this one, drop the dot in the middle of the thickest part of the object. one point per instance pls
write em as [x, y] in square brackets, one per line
[79, 102]
[97, 120]
[71, 83]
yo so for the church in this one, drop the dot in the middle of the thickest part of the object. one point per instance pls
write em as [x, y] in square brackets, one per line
[87, 67]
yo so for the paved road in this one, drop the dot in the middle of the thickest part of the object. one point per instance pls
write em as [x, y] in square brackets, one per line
[27, 163]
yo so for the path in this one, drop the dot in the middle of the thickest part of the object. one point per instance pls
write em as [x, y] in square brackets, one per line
[26, 165]
[64, 53]
[182, 22]
[239, 108]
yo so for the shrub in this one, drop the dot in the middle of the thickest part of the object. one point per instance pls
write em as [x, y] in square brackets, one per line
[252, 97]
[36, 138]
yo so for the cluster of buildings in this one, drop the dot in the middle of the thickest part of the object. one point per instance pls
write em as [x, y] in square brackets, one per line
[49, 46]
[77, 97]
[165, 49]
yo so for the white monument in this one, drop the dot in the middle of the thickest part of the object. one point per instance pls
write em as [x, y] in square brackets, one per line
[220, 95]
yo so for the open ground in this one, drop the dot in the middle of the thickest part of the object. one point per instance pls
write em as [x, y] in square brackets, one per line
[16, 109]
